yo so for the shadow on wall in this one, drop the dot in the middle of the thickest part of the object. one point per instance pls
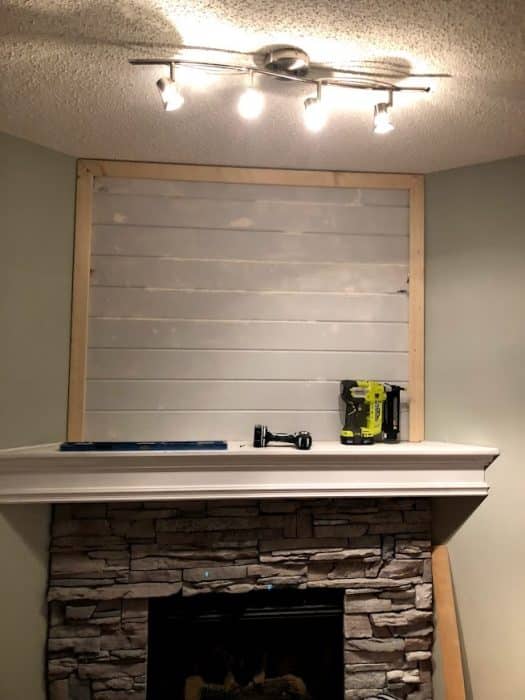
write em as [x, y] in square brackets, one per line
[103, 22]
[24, 543]
[449, 514]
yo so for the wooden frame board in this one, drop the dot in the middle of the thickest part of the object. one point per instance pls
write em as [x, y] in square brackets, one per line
[88, 169]
[447, 626]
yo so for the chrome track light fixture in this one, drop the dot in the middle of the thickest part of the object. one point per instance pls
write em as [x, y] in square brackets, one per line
[382, 123]
[290, 64]
[170, 94]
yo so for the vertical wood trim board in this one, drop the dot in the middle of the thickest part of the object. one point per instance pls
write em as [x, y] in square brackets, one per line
[221, 297]
[80, 304]
[447, 627]
[416, 318]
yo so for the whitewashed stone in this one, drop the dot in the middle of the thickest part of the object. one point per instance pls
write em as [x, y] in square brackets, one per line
[411, 676]
[394, 675]
[418, 655]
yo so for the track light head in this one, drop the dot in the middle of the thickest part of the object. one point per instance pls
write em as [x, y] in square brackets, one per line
[382, 123]
[170, 94]
[251, 102]
[314, 112]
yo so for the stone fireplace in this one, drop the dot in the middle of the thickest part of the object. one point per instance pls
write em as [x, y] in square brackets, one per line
[109, 561]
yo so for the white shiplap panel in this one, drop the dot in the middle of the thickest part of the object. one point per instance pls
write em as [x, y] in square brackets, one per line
[248, 335]
[258, 215]
[244, 364]
[162, 273]
[307, 306]
[213, 307]
[239, 192]
[213, 425]
[212, 243]
[112, 395]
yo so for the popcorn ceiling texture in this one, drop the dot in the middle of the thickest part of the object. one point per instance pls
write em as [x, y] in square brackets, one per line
[66, 83]
[108, 559]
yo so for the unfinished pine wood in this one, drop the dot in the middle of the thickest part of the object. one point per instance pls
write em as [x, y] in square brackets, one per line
[416, 320]
[447, 625]
[257, 176]
[80, 302]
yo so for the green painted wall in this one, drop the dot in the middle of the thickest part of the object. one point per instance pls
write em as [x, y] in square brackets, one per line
[475, 384]
[36, 244]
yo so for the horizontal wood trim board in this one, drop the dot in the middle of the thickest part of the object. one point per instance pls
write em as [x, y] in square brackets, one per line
[269, 306]
[218, 425]
[242, 244]
[242, 192]
[268, 216]
[248, 335]
[237, 175]
[255, 364]
[232, 275]
[112, 395]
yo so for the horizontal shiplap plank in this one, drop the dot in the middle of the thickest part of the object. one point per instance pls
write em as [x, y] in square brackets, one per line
[241, 364]
[113, 395]
[231, 275]
[219, 425]
[249, 335]
[307, 306]
[213, 243]
[239, 192]
[256, 215]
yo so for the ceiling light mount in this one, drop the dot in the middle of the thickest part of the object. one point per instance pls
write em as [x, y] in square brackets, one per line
[288, 61]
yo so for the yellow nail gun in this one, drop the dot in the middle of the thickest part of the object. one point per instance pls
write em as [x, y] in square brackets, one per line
[364, 402]
[372, 412]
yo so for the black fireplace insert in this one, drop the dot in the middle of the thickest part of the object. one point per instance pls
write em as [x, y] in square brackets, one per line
[285, 644]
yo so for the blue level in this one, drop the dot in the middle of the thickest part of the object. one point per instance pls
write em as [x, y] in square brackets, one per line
[170, 445]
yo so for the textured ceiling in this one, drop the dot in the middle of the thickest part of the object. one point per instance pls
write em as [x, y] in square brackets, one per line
[66, 82]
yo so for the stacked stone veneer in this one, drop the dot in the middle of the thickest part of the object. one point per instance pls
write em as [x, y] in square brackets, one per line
[108, 560]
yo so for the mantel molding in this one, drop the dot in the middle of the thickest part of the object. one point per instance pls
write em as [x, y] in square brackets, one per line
[42, 474]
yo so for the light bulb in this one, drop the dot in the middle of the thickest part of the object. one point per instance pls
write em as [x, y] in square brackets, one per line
[170, 94]
[251, 103]
[314, 114]
[382, 123]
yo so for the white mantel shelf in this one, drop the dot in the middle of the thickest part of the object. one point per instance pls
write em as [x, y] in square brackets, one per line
[42, 474]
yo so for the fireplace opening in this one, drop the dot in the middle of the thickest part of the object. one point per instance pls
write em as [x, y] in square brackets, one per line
[285, 644]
